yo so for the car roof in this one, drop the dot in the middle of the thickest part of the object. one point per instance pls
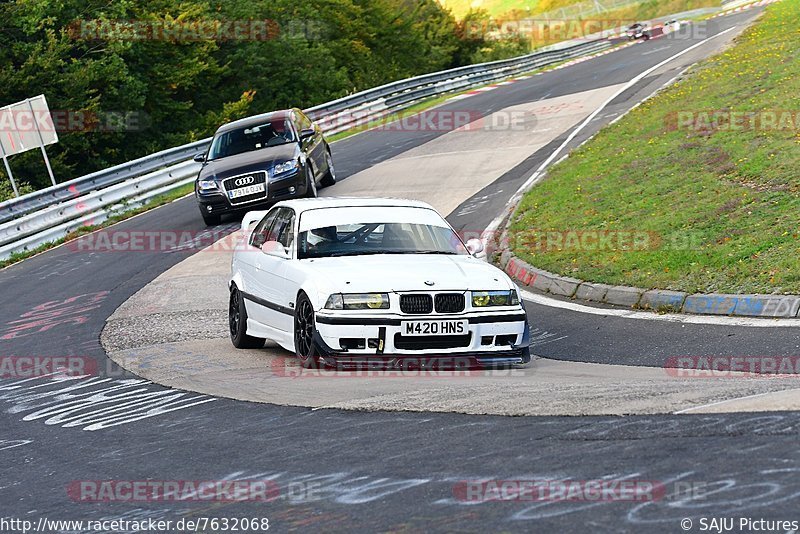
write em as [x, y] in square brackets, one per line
[300, 205]
[255, 120]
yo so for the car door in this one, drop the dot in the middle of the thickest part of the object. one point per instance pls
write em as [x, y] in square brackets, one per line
[314, 146]
[250, 266]
[286, 287]
[270, 281]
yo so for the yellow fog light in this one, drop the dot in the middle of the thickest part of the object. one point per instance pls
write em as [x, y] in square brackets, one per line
[480, 299]
[375, 301]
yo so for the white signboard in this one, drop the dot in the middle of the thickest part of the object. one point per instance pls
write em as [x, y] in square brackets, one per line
[26, 125]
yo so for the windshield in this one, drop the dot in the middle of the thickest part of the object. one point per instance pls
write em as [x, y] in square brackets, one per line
[256, 137]
[378, 238]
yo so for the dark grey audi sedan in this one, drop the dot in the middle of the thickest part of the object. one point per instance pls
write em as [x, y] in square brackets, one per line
[261, 160]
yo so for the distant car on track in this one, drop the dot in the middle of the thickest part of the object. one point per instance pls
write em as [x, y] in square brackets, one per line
[671, 26]
[348, 282]
[260, 160]
[638, 31]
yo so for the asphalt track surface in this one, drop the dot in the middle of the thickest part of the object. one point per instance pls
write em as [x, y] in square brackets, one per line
[376, 471]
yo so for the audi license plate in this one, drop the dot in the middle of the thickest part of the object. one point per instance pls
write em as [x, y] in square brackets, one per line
[434, 328]
[247, 190]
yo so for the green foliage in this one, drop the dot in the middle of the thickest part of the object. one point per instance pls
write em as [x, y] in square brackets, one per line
[171, 90]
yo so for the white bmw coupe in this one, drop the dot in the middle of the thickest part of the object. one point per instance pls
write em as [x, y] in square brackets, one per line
[355, 281]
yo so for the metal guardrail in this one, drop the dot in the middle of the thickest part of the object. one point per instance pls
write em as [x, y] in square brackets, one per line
[46, 225]
[11, 209]
[340, 115]
[728, 5]
[49, 214]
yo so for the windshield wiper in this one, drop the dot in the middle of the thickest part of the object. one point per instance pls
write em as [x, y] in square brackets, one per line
[445, 252]
[354, 253]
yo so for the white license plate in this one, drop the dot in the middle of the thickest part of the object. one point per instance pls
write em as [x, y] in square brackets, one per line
[434, 328]
[248, 190]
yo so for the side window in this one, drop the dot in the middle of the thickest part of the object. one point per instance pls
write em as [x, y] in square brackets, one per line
[259, 236]
[303, 122]
[287, 236]
[283, 228]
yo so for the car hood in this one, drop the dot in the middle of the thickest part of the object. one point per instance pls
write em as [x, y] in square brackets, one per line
[397, 273]
[257, 160]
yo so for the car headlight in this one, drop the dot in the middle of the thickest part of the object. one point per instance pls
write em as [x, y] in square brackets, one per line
[482, 299]
[284, 167]
[207, 185]
[358, 301]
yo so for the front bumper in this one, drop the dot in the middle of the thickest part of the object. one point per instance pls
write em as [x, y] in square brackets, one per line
[214, 202]
[492, 340]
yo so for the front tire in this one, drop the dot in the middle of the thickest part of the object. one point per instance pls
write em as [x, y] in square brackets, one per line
[237, 321]
[330, 175]
[311, 183]
[304, 330]
[211, 220]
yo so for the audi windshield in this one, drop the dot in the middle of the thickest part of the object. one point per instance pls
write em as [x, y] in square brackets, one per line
[239, 141]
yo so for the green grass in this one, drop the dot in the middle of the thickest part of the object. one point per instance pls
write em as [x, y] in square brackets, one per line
[722, 206]
[83, 230]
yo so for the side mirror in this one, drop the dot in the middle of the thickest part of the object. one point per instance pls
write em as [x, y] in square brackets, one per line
[308, 132]
[474, 246]
[250, 218]
[248, 222]
[199, 158]
[273, 248]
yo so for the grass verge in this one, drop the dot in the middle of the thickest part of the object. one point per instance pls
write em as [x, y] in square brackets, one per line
[714, 195]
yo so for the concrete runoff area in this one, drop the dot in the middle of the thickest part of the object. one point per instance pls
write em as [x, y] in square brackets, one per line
[174, 332]
[453, 167]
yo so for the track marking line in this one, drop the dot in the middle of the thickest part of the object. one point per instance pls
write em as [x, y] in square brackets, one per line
[709, 405]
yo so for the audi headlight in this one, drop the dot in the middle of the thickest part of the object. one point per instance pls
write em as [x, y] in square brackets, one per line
[206, 185]
[482, 299]
[358, 301]
[286, 166]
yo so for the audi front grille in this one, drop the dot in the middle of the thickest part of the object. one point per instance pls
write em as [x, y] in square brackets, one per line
[259, 177]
